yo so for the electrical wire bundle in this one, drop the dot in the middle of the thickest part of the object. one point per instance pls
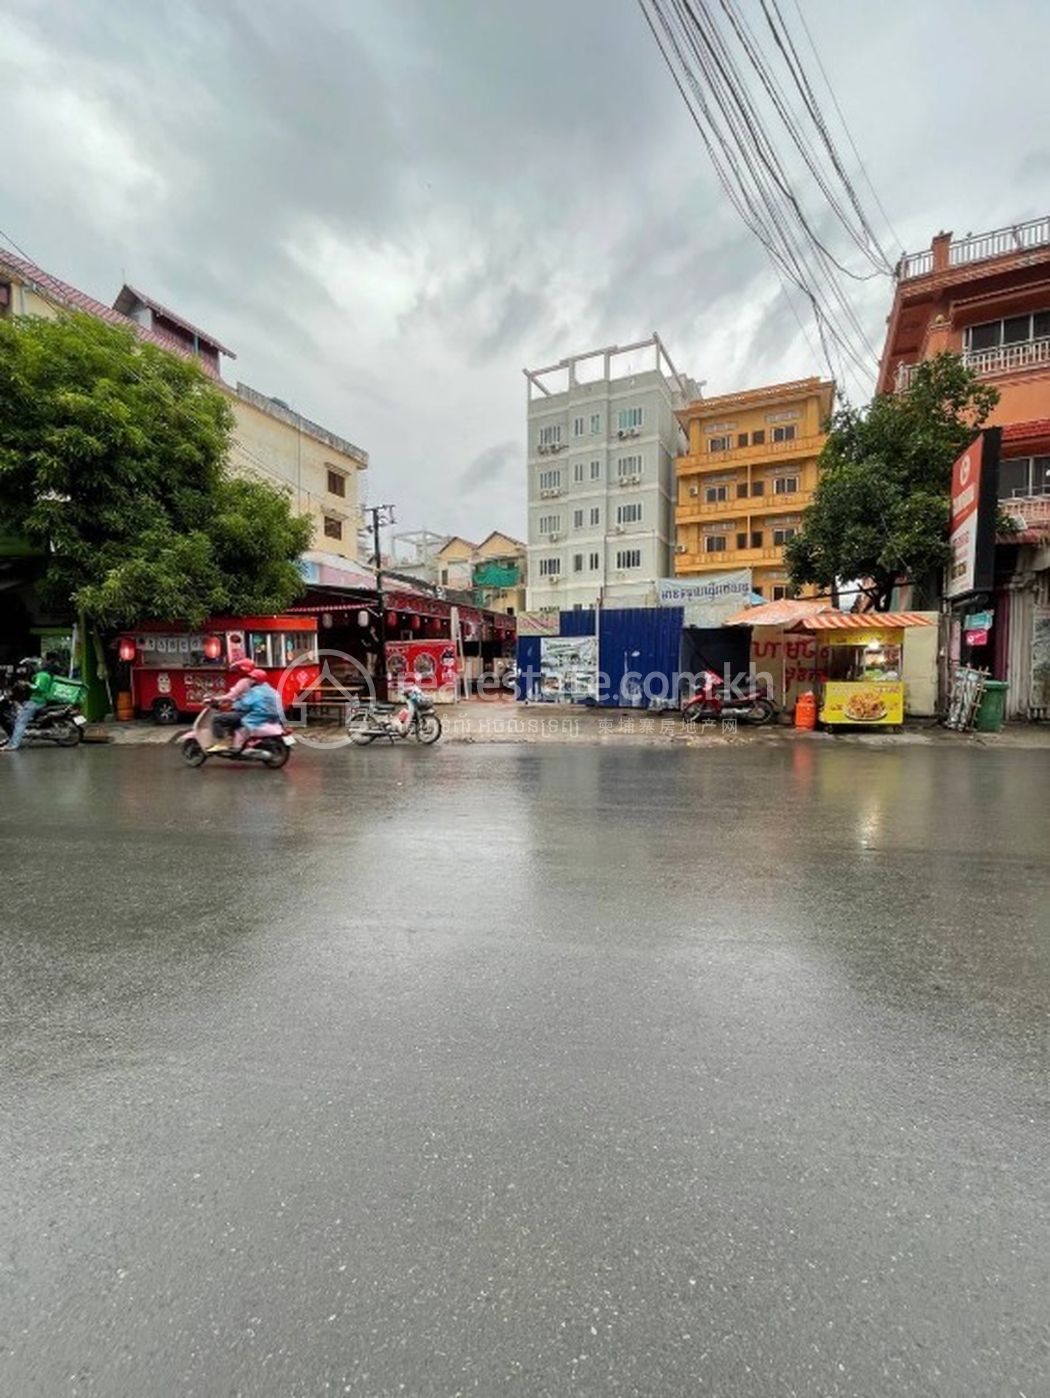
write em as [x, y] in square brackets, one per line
[767, 138]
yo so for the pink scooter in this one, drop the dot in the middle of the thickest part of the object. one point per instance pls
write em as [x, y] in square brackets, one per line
[270, 744]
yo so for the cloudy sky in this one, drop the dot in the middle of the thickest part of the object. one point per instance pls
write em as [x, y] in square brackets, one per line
[389, 208]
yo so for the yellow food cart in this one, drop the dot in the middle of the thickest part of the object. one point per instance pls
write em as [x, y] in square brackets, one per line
[864, 683]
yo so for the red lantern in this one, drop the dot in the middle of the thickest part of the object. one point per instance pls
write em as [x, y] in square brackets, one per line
[212, 647]
[127, 648]
[391, 619]
[415, 623]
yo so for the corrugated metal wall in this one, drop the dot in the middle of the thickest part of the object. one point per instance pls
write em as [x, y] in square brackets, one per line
[655, 633]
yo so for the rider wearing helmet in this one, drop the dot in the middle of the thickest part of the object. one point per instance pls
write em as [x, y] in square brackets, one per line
[260, 706]
[226, 724]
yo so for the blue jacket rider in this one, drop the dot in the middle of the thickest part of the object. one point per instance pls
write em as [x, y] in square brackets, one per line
[261, 705]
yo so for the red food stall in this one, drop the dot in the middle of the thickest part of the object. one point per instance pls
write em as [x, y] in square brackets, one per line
[174, 670]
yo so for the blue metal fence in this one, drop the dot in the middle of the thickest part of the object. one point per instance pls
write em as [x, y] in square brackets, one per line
[643, 642]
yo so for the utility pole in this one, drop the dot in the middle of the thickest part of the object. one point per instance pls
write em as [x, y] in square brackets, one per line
[381, 514]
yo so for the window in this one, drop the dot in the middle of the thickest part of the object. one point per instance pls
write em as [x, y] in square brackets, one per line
[779, 592]
[756, 538]
[550, 480]
[784, 434]
[628, 558]
[333, 528]
[5, 298]
[336, 483]
[758, 487]
[550, 524]
[577, 519]
[596, 422]
[718, 443]
[1015, 330]
[716, 493]
[577, 472]
[577, 427]
[1024, 475]
[741, 491]
[595, 562]
[714, 543]
[785, 485]
[550, 436]
[789, 416]
[577, 563]
[628, 466]
[781, 536]
[596, 470]
[741, 440]
[758, 438]
[596, 514]
[741, 541]
[627, 418]
[550, 567]
[629, 514]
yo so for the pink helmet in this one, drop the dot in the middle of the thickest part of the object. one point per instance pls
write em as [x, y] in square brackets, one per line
[259, 676]
[243, 667]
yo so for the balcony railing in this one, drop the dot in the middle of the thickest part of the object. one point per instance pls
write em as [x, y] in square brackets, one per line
[750, 455]
[1004, 359]
[979, 248]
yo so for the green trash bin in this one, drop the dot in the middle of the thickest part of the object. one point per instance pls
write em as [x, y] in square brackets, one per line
[991, 713]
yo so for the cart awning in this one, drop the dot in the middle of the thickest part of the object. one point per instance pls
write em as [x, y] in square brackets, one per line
[786, 612]
[866, 621]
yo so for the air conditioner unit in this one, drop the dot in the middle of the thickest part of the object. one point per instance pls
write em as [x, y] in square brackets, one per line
[542, 449]
[619, 529]
[680, 548]
[621, 434]
[553, 538]
[694, 490]
[633, 480]
[632, 432]
[622, 480]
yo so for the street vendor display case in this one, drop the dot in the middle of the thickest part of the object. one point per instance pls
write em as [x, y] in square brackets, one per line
[176, 671]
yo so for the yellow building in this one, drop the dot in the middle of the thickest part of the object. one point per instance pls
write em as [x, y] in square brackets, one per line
[500, 573]
[746, 478]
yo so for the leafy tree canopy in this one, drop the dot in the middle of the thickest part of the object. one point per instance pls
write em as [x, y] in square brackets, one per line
[113, 457]
[881, 506]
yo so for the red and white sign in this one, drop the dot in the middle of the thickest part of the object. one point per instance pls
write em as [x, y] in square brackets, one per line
[966, 499]
[430, 665]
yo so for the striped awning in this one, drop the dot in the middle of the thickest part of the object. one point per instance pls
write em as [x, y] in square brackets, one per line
[866, 621]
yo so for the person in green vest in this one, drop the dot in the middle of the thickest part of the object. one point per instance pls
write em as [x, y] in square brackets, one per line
[39, 695]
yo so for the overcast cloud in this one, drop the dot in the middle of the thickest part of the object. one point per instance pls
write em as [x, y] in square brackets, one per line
[388, 208]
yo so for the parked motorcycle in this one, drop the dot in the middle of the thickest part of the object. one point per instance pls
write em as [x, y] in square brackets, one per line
[414, 718]
[271, 744]
[61, 724]
[745, 700]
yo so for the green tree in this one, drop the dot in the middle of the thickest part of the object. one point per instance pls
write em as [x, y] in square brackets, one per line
[881, 506]
[113, 457]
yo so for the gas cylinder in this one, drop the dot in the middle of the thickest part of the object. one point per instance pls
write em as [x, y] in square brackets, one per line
[806, 710]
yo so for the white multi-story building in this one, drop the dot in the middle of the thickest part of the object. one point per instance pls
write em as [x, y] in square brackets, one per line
[603, 438]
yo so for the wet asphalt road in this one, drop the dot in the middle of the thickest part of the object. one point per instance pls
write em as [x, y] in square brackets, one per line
[526, 1070]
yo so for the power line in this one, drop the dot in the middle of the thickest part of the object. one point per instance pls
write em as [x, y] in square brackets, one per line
[700, 55]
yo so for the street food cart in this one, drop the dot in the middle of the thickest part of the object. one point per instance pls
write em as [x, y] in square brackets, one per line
[175, 670]
[863, 686]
